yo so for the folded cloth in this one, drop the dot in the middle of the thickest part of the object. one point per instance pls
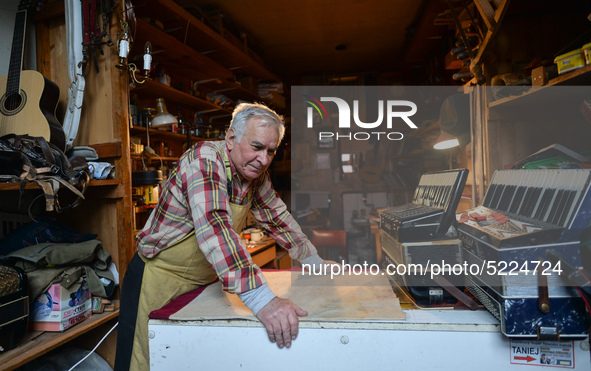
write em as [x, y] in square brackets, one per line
[47, 263]
[88, 153]
[100, 170]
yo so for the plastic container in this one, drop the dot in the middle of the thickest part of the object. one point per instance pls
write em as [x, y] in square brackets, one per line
[570, 61]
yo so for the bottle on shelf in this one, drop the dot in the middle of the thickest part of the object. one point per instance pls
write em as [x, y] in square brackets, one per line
[175, 127]
[133, 112]
[183, 128]
[198, 124]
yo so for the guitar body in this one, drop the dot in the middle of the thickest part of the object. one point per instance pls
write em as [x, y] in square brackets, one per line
[32, 110]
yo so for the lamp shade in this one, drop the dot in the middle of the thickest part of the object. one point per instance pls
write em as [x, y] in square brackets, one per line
[446, 141]
[162, 118]
[454, 117]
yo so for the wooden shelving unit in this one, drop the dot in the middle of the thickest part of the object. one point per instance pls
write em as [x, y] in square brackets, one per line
[107, 208]
[191, 31]
[528, 118]
[185, 58]
[189, 48]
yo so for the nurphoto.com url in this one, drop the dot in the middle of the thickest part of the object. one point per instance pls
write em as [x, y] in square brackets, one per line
[487, 267]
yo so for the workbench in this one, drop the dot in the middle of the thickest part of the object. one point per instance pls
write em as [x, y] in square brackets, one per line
[262, 252]
[423, 339]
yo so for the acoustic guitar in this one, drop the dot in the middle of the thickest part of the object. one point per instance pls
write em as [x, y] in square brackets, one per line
[29, 101]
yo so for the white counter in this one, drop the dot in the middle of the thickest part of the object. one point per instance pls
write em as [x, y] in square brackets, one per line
[426, 340]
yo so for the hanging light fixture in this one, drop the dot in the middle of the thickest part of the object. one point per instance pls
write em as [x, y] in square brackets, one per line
[163, 118]
[446, 141]
[454, 122]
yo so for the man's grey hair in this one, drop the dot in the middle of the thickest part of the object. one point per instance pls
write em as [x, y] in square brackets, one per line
[244, 112]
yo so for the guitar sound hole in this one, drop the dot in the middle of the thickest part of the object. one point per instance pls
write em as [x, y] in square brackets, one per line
[13, 103]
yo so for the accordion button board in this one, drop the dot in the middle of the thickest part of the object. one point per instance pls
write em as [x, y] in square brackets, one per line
[524, 215]
[432, 211]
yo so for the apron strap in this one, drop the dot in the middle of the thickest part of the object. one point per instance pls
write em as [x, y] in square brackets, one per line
[229, 175]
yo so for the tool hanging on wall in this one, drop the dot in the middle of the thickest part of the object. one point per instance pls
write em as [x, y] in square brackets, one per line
[467, 51]
[83, 36]
[93, 35]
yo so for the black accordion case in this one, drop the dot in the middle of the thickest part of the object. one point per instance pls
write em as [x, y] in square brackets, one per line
[14, 306]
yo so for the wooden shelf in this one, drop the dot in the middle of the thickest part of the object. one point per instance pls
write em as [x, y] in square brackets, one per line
[37, 343]
[216, 77]
[174, 97]
[93, 183]
[564, 92]
[141, 131]
[578, 77]
[190, 31]
[234, 91]
[144, 208]
[175, 55]
[163, 158]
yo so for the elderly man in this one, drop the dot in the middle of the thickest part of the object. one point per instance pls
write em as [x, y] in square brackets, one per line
[192, 237]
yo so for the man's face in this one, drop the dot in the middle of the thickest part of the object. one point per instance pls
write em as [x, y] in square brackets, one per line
[253, 155]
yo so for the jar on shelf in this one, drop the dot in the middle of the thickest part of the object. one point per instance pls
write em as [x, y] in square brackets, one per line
[146, 116]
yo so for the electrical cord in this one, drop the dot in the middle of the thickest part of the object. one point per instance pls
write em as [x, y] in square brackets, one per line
[92, 351]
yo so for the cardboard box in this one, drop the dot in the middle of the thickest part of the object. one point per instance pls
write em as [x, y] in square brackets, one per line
[570, 61]
[59, 308]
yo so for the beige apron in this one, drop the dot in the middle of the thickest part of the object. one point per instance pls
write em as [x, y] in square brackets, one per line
[176, 270]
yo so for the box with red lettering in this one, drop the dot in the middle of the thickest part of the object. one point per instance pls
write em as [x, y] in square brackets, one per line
[59, 307]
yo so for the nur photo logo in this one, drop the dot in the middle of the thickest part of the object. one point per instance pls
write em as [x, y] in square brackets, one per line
[386, 111]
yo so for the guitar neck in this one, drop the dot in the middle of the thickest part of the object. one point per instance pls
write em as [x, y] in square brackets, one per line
[16, 55]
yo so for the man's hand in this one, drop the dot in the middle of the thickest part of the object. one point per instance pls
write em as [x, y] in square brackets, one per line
[280, 317]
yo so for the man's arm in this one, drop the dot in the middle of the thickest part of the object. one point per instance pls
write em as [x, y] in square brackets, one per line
[269, 210]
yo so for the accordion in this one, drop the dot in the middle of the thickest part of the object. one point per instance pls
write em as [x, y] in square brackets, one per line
[14, 306]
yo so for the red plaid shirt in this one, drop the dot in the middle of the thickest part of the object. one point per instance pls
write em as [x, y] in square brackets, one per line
[197, 195]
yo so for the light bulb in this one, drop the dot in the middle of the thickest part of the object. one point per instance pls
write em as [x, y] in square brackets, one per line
[124, 45]
[147, 56]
